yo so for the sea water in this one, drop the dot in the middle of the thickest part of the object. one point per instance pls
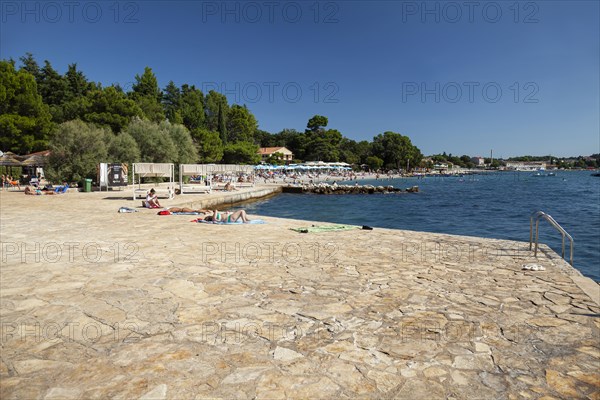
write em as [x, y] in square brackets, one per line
[492, 205]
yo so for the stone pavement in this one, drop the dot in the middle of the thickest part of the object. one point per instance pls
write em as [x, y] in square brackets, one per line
[96, 304]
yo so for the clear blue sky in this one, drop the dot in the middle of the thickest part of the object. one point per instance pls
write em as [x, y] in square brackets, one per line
[515, 77]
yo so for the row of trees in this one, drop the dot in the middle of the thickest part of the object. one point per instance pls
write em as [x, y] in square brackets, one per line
[463, 161]
[39, 107]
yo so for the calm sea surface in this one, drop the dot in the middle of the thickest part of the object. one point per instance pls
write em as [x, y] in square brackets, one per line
[495, 205]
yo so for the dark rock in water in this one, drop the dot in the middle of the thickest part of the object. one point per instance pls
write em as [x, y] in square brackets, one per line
[346, 189]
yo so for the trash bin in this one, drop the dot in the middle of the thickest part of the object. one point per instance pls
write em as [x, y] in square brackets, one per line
[87, 187]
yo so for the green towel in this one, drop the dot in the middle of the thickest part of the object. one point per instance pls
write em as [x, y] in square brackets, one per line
[325, 228]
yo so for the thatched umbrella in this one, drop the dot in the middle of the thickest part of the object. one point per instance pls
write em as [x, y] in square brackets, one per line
[34, 160]
[8, 160]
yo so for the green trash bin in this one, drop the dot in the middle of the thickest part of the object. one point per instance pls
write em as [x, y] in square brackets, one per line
[87, 185]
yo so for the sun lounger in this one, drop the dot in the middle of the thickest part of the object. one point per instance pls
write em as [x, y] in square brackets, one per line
[61, 189]
[195, 188]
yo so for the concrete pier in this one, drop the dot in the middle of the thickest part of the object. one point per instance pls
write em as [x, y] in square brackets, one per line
[98, 304]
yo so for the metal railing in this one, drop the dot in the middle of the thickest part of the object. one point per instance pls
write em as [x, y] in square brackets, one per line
[556, 225]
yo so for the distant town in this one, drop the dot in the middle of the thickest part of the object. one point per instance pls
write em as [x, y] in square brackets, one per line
[445, 161]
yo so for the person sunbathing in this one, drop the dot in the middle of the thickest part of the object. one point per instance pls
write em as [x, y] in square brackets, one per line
[227, 217]
[188, 210]
[35, 192]
[229, 187]
[30, 191]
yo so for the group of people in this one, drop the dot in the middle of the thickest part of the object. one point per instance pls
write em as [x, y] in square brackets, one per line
[47, 190]
[214, 216]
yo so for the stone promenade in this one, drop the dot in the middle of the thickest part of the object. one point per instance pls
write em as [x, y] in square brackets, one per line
[95, 304]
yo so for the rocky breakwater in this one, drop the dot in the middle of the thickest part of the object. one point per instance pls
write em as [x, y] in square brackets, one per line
[325, 188]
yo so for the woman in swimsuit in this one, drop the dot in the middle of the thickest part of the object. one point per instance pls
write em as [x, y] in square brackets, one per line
[228, 217]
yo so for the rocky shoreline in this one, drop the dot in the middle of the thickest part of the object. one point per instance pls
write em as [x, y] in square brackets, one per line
[325, 188]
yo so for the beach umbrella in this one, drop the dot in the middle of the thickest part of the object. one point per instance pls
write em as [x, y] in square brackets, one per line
[35, 160]
[8, 160]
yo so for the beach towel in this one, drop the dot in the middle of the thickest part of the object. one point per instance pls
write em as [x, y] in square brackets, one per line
[127, 210]
[325, 228]
[251, 222]
[167, 212]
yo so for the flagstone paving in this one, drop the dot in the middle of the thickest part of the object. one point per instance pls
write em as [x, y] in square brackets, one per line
[96, 304]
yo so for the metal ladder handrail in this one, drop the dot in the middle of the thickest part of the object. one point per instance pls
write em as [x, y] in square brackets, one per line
[540, 214]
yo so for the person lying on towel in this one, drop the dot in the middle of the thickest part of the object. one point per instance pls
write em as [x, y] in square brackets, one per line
[188, 210]
[227, 217]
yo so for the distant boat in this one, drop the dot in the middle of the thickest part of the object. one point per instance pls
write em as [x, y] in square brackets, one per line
[596, 174]
[541, 173]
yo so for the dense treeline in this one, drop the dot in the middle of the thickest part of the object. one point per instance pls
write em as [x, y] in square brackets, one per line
[83, 122]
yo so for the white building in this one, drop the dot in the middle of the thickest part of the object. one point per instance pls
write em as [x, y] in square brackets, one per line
[266, 152]
[525, 165]
[478, 161]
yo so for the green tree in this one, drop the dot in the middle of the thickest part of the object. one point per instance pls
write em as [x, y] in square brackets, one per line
[396, 150]
[466, 161]
[192, 107]
[222, 123]
[363, 150]
[151, 108]
[316, 123]
[264, 138]
[155, 144]
[25, 121]
[349, 151]
[147, 95]
[291, 139]
[209, 145]
[76, 148]
[110, 107]
[77, 83]
[179, 134]
[146, 85]
[241, 124]
[275, 159]
[123, 148]
[323, 145]
[374, 163]
[241, 153]
[216, 110]
[30, 65]
[171, 101]
[53, 87]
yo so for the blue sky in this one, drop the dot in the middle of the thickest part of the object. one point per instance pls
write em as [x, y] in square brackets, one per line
[465, 78]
